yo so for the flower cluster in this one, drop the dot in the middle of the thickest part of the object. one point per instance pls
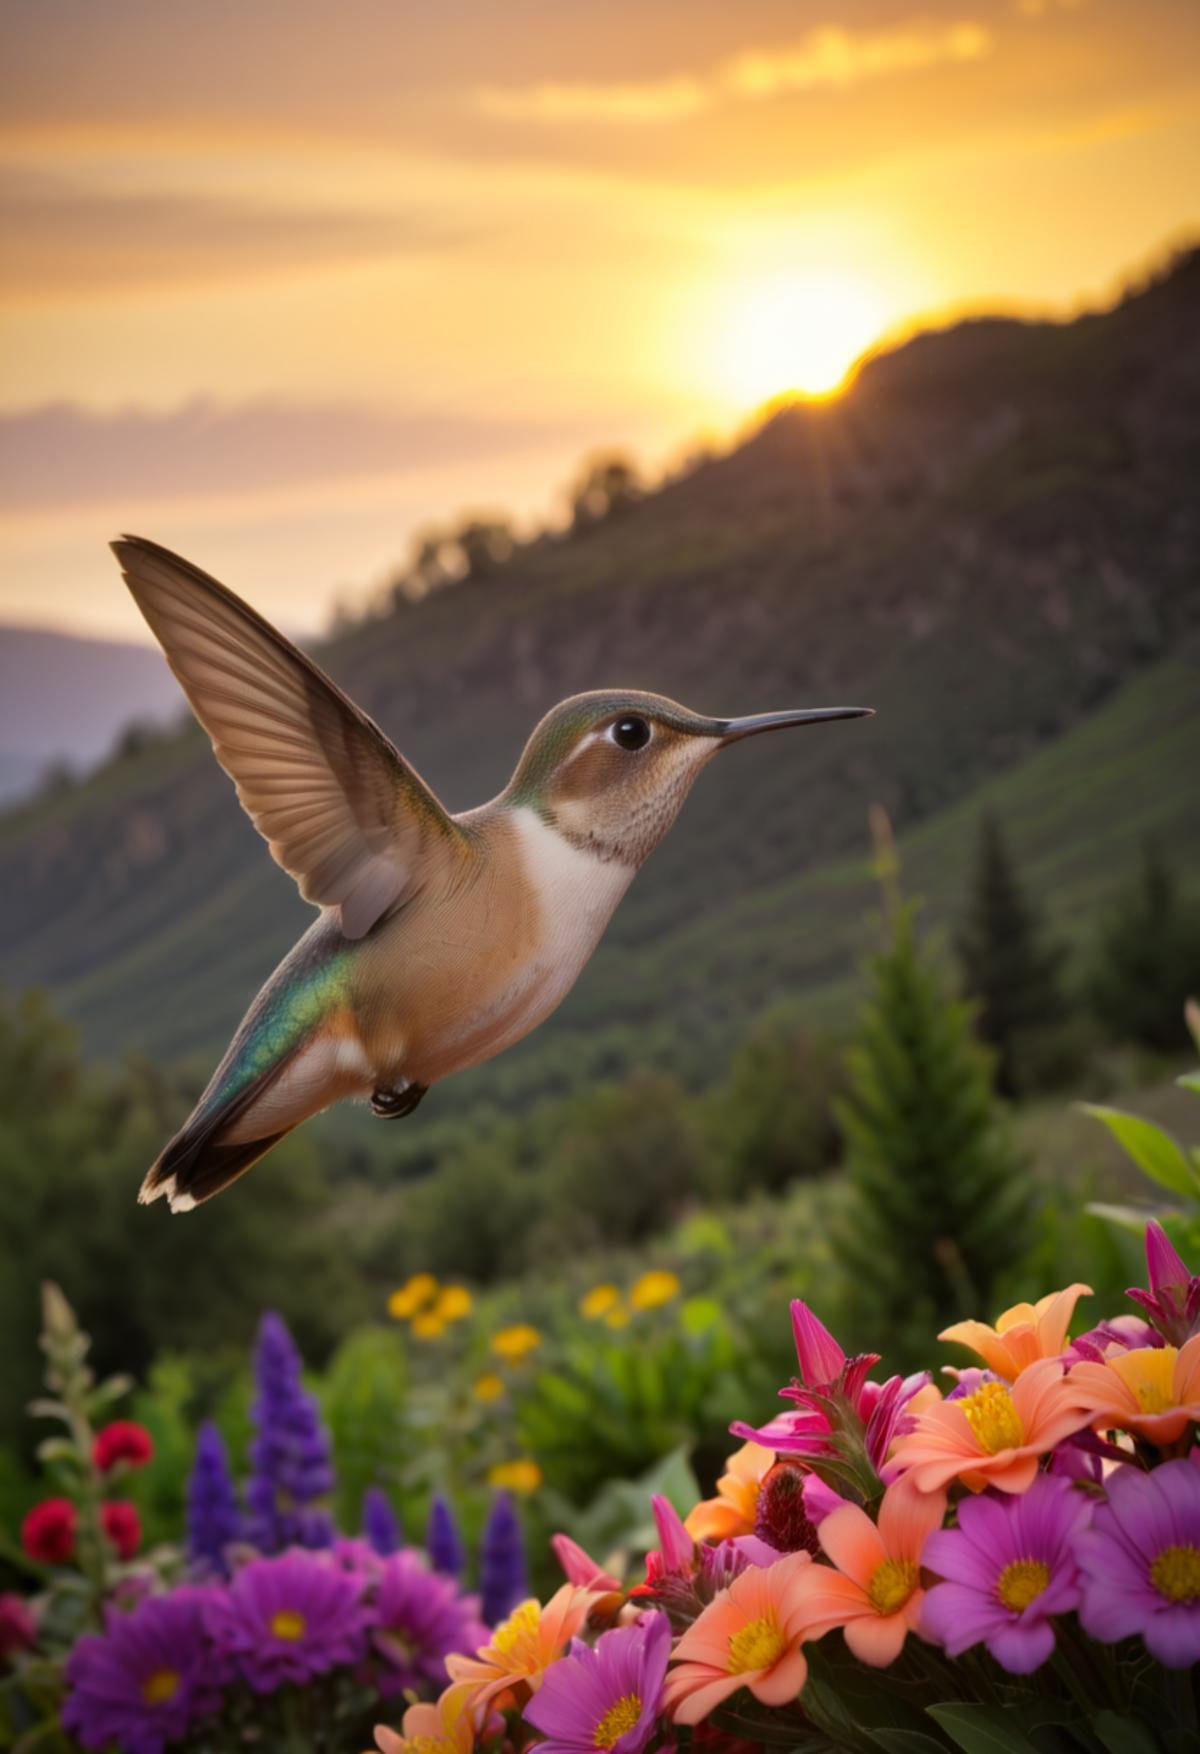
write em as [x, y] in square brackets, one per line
[606, 1303]
[428, 1306]
[1051, 1492]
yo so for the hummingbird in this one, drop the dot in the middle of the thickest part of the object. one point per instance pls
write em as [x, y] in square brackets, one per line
[441, 939]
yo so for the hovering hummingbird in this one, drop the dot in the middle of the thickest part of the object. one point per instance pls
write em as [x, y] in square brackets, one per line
[441, 939]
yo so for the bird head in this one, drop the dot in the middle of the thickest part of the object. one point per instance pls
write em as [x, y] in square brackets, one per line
[610, 769]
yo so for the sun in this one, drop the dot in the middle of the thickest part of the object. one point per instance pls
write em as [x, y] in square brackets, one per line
[798, 333]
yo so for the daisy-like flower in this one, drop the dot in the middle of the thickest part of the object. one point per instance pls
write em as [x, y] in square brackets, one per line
[994, 1436]
[445, 1728]
[875, 1593]
[607, 1697]
[418, 1620]
[1023, 1334]
[288, 1619]
[1153, 1391]
[654, 1289]
[522, 1475]
[1140, 1562]
[521, 1649]
[1008, 1567]
[420, 1290]
[516, 1341]
[748, 1636]
[146, 1679]
[732, 1511]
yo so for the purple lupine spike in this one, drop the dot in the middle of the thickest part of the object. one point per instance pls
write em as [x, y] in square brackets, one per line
[214, 1521]
[289, 1457]
[503, 1578]
[381, 1527]
[443, 1543]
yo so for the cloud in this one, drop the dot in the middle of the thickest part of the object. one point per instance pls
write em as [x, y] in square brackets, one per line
[828, 57]
[61, 455]
[65, 234]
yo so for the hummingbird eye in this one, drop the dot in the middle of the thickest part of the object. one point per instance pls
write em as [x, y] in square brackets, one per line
[630, 733]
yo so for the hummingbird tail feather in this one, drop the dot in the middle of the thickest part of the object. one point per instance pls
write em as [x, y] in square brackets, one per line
[202, 1158]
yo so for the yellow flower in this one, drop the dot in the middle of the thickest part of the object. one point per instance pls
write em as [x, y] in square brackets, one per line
[617, 1317]
[514, 1342]
[489, 1387]
[653, 1289]
[598, 1301]
[428, 1325]
[420, 1290]
[454, 1303]
[522, 1475]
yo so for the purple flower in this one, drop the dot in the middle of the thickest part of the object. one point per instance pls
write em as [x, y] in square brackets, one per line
[380, 1524]
[288, 1619]
[1124, 1333]
[289, 1458]
[146, 1679]
[503, 1578]
[443, 1543]
[417, 1620]
[1140, 1562]
[1009, 1567]
[1173, 1300]
[213, 1519]
[607, 1697]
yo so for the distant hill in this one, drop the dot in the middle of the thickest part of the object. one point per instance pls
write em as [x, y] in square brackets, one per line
[63, 699]
[993, 538]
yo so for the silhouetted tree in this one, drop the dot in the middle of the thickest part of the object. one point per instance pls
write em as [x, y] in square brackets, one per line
[608, 486]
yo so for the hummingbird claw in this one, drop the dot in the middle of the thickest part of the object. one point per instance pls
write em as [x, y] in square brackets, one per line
[391, 1103]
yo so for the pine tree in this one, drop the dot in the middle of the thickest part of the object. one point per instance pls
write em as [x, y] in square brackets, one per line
[1146, 963]
[939, 1198]
[1008, 967]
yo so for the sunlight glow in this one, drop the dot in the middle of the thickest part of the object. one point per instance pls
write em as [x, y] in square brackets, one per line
[800, 332]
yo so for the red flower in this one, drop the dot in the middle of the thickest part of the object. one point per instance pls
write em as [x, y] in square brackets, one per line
[48, 1532]
[18, 1628]
[122, 1441]
[122, 1526]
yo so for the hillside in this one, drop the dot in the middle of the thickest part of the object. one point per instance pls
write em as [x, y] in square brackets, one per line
[993, 538]
[63, 699]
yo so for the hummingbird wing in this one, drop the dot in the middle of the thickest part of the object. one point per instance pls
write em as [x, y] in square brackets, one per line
[338, 805]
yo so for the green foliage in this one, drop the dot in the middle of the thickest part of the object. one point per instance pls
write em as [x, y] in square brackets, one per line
[1146, 959]
[941, 1198]
[1009, 968]
[772, 1119]
[363, 1398]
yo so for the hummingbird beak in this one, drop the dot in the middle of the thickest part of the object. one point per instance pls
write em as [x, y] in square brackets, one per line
[733, 730]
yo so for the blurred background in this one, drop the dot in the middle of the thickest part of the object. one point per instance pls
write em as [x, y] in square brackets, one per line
[764, 356]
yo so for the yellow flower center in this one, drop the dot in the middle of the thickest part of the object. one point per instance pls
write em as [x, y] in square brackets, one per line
[892, 1583]
[617, 1720]
[1149, 1371]
[993, 1418]
[289, 1625]
[523, 1622]
[1176, 1574]
[756, 1646]
[1022, 1582]
[160, 1687]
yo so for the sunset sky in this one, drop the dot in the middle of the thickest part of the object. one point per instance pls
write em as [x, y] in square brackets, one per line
[283, 280]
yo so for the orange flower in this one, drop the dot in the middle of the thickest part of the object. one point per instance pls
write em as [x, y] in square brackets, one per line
[875, 1593]
[995, 1436]
[1153, 1391]
[732, 1511]
[748, 1636]
[522, 1649]
[445, 1728]
[1023, 1334]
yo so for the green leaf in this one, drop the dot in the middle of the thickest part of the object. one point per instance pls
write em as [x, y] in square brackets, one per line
[1123, 1735]
[907, 1742]
[979, 1729]
[1189, 1081]
[1155, 1152]
[1131, 1218]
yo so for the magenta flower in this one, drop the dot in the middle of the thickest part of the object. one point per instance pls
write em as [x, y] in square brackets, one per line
[1173, 1300]
[1009, 1568]
[418, 1619]
[288, 1618]
[607, 1697]
[1140, 1562]
[146, 1679]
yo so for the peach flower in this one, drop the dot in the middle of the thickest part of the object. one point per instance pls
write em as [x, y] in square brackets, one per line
[748, 1636]
[1023, 1334]
[1153, 1391]
[995, 1436]
[521, 1650]
[445, 1728]
[875, 1593]
[732, 1511]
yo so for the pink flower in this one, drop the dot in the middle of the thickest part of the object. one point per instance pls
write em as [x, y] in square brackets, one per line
[123, 1526]
[996, 1435]
[580, 1568]
[748, 1636]
[1173, 1300]
[48, 1531]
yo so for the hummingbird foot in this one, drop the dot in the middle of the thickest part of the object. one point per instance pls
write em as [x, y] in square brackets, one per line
[390, 1103]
